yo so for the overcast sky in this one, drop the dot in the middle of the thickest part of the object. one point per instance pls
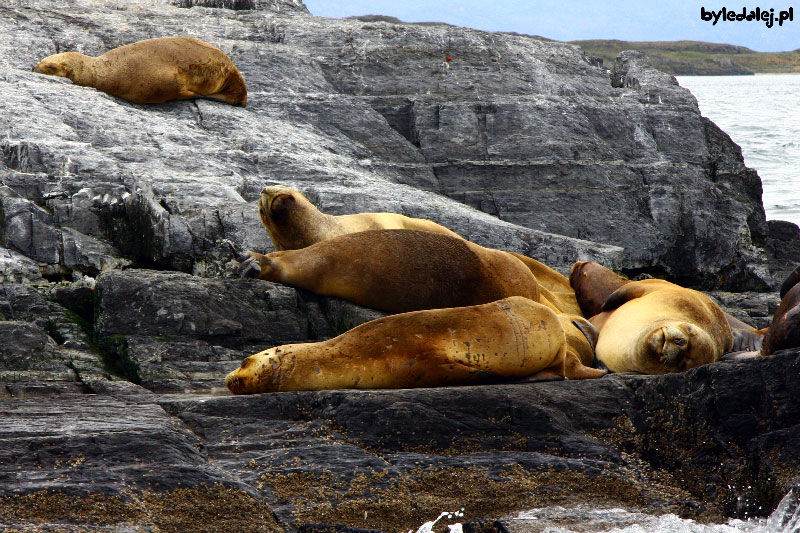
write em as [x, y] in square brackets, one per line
[567, 20]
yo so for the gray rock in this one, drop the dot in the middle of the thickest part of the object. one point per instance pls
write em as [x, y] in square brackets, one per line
[754, 308]
[505, 144]
[173, 332]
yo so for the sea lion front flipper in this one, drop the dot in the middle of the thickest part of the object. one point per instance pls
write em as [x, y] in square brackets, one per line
[573, 366]
[249, 267]
[588, 329]
[624, 294]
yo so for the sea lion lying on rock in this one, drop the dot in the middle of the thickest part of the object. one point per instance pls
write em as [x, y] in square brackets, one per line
[398, 270]
[784, 332]
[512, 338]
[154, 71]
[593, 284]
[293, 222]
[656, 327]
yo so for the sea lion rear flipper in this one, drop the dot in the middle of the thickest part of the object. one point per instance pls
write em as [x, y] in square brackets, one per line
[746, 340]
[624, 294]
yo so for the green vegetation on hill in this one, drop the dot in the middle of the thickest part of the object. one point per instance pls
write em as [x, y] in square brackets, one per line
[696, 57]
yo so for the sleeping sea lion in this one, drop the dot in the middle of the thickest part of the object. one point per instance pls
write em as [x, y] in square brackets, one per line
[512, 338]
[656, 327]
[154, 71]
[594, 283]
[293, 222]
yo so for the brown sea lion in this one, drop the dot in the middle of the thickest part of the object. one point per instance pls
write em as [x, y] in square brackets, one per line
[508, 339]
[593, 284]
[398, 270]
[154, 71]
[293, 222]
[656, 327]
[784, 332]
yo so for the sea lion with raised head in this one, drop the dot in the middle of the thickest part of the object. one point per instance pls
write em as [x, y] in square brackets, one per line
[154, 71]
[398, 270]
[512, 338]
[293, 222]
[784, 332]
[656, 327]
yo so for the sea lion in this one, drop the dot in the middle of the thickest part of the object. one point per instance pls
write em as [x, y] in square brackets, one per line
[154, 71]
[784, 332]
[511, 338]
[656, 327]
[398, 270]
[293, 222]
[593, 284]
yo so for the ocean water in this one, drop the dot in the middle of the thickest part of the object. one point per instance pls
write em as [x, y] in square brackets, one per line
[585, 519]
[761, 113]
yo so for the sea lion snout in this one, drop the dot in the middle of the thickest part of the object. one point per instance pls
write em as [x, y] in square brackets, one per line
[670, 343]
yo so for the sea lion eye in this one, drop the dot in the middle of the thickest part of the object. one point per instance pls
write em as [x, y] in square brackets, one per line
[679, 342]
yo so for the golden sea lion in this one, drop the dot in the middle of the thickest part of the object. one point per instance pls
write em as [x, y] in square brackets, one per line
[511, 338]
[293, 222]
[656, 327]
[784, 332]
[398, 270]
[154, 71]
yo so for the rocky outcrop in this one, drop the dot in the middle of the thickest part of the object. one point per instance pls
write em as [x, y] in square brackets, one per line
[515, 143]
[120, 226]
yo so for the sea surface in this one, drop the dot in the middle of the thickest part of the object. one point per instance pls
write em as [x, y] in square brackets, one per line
[585, 519]
[761, 113]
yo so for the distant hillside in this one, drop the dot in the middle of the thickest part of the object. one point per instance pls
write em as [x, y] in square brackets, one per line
[697, 58]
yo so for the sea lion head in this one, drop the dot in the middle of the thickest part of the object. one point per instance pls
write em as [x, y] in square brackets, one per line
[260, 372]
[677, 346]
[593, 283]
[287, 215]
[64, 64]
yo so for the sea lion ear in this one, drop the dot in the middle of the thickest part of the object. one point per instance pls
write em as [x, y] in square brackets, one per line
[624, 294]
